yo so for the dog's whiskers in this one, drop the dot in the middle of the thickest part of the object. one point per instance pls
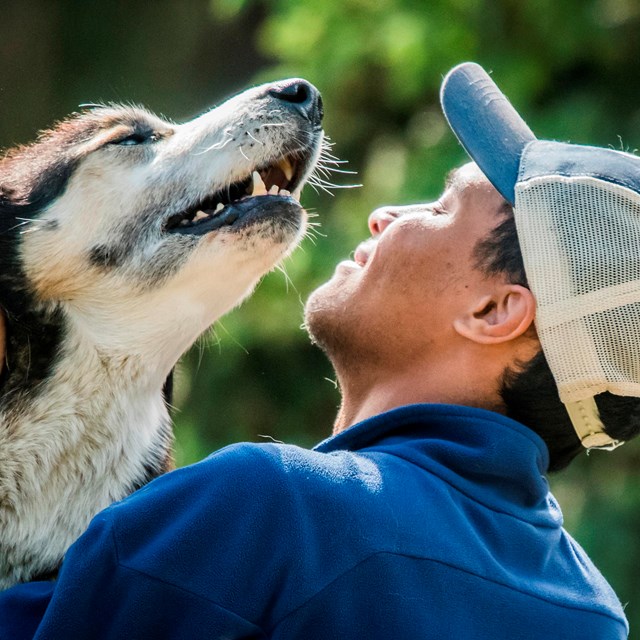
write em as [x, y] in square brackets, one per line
[215, 147]
[313, 232]
[325, 170]
[24, 221]
[287, 279]
[209, 338]
[218, 323]
[30, 230]
[320, 178]
[254, 138]
[325, 185]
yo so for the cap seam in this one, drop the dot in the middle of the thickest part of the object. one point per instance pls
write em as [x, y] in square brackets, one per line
[576, 175]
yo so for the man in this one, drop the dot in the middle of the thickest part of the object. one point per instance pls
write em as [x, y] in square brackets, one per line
[427, 514]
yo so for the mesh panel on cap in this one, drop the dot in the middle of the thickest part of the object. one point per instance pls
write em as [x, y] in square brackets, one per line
[580, 240]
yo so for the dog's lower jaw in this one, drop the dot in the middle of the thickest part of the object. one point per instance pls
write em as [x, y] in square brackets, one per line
[90, 439]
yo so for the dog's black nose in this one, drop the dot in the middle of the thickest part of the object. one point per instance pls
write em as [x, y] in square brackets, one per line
[301, 96]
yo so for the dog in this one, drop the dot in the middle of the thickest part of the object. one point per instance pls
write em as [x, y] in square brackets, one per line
[122, 238]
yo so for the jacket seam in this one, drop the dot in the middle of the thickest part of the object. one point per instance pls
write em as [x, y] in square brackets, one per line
[153, 578]
[620, 621]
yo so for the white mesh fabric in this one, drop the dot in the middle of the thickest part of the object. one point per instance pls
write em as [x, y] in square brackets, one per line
[580, 240]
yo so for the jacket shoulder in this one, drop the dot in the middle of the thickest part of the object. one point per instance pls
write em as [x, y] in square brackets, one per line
[273, 518]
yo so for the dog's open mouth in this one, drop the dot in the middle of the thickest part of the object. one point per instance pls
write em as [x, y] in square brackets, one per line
[283, 179]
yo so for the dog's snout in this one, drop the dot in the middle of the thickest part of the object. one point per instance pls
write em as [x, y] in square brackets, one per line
[301, 96]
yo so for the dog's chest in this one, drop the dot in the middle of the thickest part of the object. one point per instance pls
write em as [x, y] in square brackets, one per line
[67, 455]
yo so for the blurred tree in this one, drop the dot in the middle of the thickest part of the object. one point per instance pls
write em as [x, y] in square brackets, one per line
[170, 56]
[569, 67]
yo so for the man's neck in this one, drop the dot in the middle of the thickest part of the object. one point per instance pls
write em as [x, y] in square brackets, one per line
[369, 395]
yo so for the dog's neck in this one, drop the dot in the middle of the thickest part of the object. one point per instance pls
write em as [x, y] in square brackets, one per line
[91, 394]
[93, 429]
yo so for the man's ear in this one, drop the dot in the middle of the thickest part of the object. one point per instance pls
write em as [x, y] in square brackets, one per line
[3, 340]
[504, 315]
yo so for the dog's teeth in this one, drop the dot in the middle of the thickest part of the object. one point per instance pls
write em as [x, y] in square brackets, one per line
[296, 194]
[259, 187]
[284, 192]
[219, 208]
[274, 190]
[287, 168]
[201, 215]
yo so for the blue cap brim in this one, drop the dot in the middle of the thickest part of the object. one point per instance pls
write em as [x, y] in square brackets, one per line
[488, 127]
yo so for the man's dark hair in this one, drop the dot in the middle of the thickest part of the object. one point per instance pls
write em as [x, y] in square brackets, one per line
[529, 390]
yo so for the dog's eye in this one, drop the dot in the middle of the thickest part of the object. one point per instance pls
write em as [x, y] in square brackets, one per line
[135, 139]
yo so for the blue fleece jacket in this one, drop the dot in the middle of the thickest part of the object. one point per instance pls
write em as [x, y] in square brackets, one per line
[429, 521]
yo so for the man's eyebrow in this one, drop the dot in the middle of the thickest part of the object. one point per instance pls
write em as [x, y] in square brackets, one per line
[506, 208]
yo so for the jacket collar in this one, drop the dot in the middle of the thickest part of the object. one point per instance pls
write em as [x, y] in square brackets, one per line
[487, 456]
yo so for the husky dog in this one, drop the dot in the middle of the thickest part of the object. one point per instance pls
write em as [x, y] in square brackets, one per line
[122, 238]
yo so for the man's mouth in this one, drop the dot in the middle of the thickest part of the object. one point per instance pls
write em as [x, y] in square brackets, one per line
[284, 178]
[363, 253]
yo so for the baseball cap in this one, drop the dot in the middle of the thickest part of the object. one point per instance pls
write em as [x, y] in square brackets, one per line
[577, 215]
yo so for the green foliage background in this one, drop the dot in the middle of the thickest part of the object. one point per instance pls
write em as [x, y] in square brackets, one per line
[570, 67]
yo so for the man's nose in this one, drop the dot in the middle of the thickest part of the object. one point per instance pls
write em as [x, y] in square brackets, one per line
[300, 96]
[381, 218]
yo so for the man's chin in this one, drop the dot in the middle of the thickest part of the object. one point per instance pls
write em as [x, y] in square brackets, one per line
[323, 317]
[334, 316]
[314, 309]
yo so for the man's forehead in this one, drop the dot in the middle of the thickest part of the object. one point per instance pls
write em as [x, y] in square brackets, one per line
[460, 177]
[469, 179]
